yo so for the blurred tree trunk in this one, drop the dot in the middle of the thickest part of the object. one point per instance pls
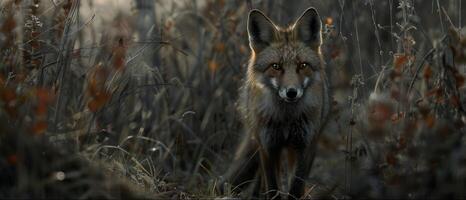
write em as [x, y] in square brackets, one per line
[284, 12]
[148, 29]
[291, 11]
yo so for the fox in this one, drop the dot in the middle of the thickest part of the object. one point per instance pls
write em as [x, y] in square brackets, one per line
[283, 103]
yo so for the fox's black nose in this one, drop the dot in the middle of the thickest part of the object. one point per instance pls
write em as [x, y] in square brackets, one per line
[291, 93]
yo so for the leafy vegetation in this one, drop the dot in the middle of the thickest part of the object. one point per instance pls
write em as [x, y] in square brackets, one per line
[140, 103]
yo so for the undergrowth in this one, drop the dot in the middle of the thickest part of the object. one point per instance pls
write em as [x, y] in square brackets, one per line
[142, 105]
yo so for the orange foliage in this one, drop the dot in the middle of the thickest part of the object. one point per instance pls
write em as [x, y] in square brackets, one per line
[430, 121]
[329, 21]
[44, 98]
[96, 89]
[391, 159]
[459, 79]
[39, 127]
[119, 53]
[12, 159]
[213, 65]
[98, 101]
[219, 47]
[399, 60]
[427, 72]
[437, 94]
[380, 112]
[397, 116]
[8, 96]
[8, 25]
[243, 49]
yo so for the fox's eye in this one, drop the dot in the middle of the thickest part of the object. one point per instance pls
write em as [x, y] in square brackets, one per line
[303, 65]
[275, 66]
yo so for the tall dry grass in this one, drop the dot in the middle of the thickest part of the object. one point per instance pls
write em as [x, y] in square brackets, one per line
[153, 103]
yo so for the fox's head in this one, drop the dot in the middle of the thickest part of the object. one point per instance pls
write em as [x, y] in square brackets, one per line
[285, 61]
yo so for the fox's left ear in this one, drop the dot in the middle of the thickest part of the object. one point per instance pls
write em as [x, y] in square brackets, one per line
[261, 30]
[308, 28]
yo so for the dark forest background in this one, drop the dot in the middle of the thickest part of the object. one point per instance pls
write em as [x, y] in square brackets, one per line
[136, 98]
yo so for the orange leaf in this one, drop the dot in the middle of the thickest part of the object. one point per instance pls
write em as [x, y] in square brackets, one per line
[380, 112]
[102, 97]
[44, 95]
[10, 108]
[169, 24]
[119, 63]
[427, 72]
[39, 127]
[437, 94]
[35, 44]
[67, 6]
[455, 101]
[119, 53]
[12, 159]
[213, 65]
[8, 95]
[243, 49]
[93, 88]
[399, 61]
[35, 34]
[397, 116]
[459, 79]
[2, 80]
[219, 47]
[402, 143]
[41, 109]
[430, 121]
[93, 105]
[335, 53]
[8, 25]
[391, 159]
[98, 101]
[97, 80]
[20, 77]
[329, 21]
[35, 63]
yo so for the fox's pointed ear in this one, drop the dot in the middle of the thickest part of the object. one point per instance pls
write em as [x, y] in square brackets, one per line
[261, 30]
[308, 28]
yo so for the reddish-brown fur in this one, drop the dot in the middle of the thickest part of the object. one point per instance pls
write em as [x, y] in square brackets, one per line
[284, 102]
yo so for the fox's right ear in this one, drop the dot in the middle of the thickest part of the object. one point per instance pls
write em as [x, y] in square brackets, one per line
[309, 27]
[261, 30]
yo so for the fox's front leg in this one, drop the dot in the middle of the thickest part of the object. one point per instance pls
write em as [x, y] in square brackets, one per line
[305, 158]
[269, 167]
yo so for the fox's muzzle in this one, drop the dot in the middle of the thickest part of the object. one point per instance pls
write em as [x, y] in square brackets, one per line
[290, 94]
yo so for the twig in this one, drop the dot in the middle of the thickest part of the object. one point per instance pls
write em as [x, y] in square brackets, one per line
[448, 17]
[418, 69]
[66, 45]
